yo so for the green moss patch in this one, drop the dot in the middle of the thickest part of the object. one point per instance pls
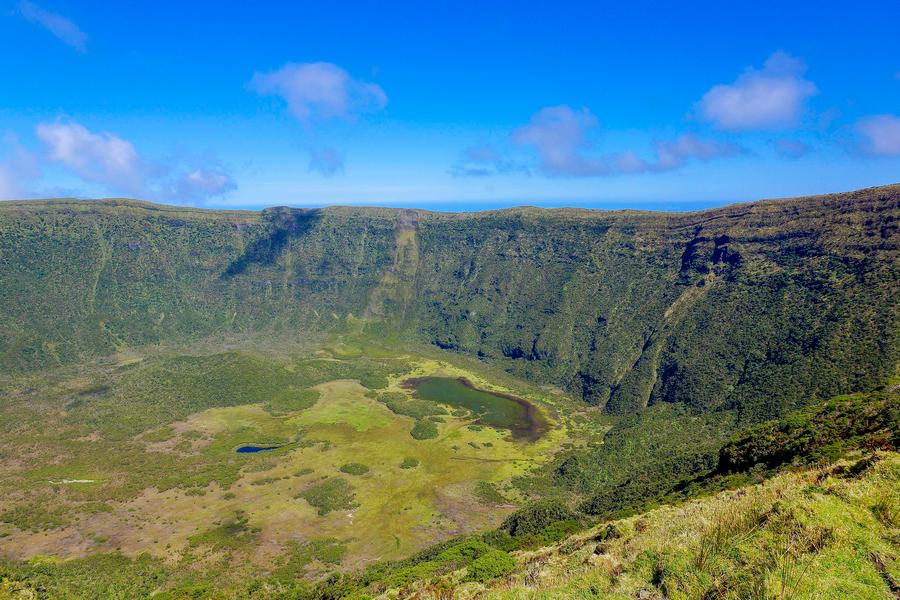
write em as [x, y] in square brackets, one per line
[331, 494]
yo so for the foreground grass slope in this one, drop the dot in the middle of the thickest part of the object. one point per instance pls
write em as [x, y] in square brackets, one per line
[830, 532]
[753, 308]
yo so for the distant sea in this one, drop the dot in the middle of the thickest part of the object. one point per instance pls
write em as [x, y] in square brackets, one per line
[471, 205]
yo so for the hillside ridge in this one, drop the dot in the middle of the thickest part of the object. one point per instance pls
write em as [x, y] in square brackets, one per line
[157, 206]
[746, 307]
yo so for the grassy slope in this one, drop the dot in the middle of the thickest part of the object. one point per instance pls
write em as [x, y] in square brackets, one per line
[819, 533]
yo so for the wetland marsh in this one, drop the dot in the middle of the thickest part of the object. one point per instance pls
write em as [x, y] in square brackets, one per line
[336, 440]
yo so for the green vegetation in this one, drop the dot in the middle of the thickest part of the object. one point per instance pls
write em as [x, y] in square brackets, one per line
[536, 517]
[401, 404]
[331, 494]
[161, 390]
[816, 533]
[286, 403]
[227, 536]
[424, 430]
[820, 432]
[776, 540]
[409, 463]
[34, 517]
[110, 575]
[487, 493]
[328, 551]
[355, 469]
[173, 490]
[491, 565]
[750, 307]
[643, 456]
[600, 380]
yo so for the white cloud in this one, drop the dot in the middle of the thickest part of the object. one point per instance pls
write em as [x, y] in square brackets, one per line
[773, 97]
[201, 184]
[63, 28]
[880, 134]
[559, 135]
[319, 91]
[108, 160]
[326, 161]
[484, 160]
[677, 153]
[102, 158]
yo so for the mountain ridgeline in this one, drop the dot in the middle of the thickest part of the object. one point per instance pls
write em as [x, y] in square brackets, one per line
[755, 308]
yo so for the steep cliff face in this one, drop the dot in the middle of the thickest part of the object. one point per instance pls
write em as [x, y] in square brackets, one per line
[753, 306]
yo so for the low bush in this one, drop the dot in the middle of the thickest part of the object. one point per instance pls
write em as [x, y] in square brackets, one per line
[491, 565]
[535, 517]
[331, 494]
[424, 430]
[355, 469]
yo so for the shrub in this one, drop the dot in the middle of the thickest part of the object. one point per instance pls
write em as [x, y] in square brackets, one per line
[355, 469]
[535, 517]
[331, 494]
[821, 431]
[409, 463]
[464, 552]
[487, 493]
[424, 430]
[491, 565]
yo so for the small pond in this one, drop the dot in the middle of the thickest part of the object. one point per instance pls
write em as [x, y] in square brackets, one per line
[245, 449]
[492, 409]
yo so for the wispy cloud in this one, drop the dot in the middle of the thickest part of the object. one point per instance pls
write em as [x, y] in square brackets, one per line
[326, 161]
[773, 97]
[484, 160]
[61, 27]
[685, 148]
[113, 163]
[320, 90]
[201, 184]
[880, 134]
[559, 135]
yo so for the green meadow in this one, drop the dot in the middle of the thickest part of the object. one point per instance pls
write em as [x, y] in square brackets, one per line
[139, 456]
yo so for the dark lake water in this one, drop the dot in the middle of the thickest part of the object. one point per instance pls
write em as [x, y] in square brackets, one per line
[245, 449]
[493, 409]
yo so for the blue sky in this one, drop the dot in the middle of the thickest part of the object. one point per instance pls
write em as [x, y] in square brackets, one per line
[449, 105]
